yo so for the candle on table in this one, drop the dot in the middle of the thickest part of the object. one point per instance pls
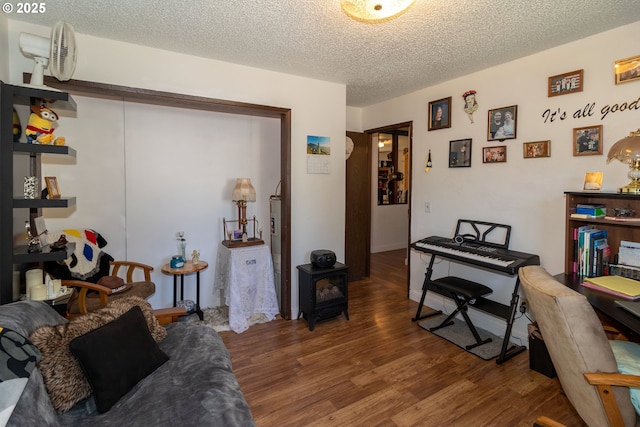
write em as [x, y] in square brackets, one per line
[33, 278]
[39, 292]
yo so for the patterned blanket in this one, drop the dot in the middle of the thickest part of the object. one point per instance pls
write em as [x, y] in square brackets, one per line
[88, 262]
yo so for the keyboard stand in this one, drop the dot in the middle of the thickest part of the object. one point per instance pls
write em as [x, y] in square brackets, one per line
[506, 312]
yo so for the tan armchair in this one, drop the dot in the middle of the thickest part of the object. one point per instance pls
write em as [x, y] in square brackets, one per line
[134, 274]
[580, 352]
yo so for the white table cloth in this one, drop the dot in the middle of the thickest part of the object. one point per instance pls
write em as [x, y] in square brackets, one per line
[246, 275]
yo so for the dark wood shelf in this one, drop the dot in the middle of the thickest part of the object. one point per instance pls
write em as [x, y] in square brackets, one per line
[596, 195]
[23, 147]
[62, 202]
[61, 101]
[21, 255]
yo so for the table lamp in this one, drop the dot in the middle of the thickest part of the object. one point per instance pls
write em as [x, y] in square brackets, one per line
[243, 192]
[627, 150]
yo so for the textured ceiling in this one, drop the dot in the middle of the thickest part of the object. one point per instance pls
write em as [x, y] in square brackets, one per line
[436, 40]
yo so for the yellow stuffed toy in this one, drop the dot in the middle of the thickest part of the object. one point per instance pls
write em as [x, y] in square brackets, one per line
[17, 128]
[40, 126]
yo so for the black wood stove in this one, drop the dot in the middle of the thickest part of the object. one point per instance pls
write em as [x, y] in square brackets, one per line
[322, 292]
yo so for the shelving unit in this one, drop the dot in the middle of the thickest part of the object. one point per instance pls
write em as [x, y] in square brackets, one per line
[383, 182]
[11, 254]
[616, 230]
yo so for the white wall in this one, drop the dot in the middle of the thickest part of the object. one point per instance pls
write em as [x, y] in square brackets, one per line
[524, 193]
[178, 173]
[354, 119]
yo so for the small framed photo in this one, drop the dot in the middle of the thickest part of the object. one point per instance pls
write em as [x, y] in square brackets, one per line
[40, 226]
[52, 187]
[587, 141]
[535, 149]
[460, 153]
[502, 123]
[440, 114]
[566, 83]
[494, 154]
[593, 181]
[627, 70]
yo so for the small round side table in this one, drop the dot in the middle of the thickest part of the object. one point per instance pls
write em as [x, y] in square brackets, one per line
[188, 268]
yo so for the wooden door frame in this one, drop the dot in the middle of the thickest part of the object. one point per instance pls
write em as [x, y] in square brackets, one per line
[389, 128]
[177, 100]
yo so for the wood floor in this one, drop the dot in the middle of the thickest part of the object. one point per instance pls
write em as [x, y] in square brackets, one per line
[382, 369]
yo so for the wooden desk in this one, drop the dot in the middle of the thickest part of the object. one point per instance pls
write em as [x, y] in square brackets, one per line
[605, 305]
[246, 275]
[189, 268]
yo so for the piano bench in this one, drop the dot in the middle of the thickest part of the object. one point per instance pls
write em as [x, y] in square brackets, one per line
[463, 287]
[463, 293]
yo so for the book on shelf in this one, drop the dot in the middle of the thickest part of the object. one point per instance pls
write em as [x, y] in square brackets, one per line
[601, 258]
[622, 287]
[585, 216]
[599, 236]
[595, 210]
[578, 239]
[591, 251]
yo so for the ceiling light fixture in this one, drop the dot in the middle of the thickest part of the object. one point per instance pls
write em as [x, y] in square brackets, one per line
[375, 11]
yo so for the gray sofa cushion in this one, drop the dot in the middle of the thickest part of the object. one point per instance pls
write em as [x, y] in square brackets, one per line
[26, 316]
[116, 356]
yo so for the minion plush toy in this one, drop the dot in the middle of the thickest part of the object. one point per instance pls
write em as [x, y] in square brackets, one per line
[17, 128]
[40, 126]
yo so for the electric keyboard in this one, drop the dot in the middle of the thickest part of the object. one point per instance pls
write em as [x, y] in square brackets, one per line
[480, 254]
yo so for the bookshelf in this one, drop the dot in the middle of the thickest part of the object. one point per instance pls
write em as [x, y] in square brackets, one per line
[14, 208]
[617, 230]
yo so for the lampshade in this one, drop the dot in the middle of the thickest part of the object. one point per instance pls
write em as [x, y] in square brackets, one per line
[244, 190]
[375, 11]
[627, 150]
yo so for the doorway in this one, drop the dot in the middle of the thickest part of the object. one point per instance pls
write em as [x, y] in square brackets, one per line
[386, 221]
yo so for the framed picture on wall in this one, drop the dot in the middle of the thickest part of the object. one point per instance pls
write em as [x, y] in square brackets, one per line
[494, 154]
[502, 123]
[440, 114]
[460, 153]
[587, 141]
[627, 70]
[532, 150]
[566, 83]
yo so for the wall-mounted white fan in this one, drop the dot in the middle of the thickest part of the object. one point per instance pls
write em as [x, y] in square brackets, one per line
[58, 52]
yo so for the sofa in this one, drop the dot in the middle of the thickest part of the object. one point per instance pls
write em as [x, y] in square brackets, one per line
[185, 369]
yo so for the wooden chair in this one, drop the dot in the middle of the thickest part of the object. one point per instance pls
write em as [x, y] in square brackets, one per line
[580, 352]
[82, 301]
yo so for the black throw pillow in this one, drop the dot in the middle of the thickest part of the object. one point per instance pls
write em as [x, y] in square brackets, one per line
[116, 356]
